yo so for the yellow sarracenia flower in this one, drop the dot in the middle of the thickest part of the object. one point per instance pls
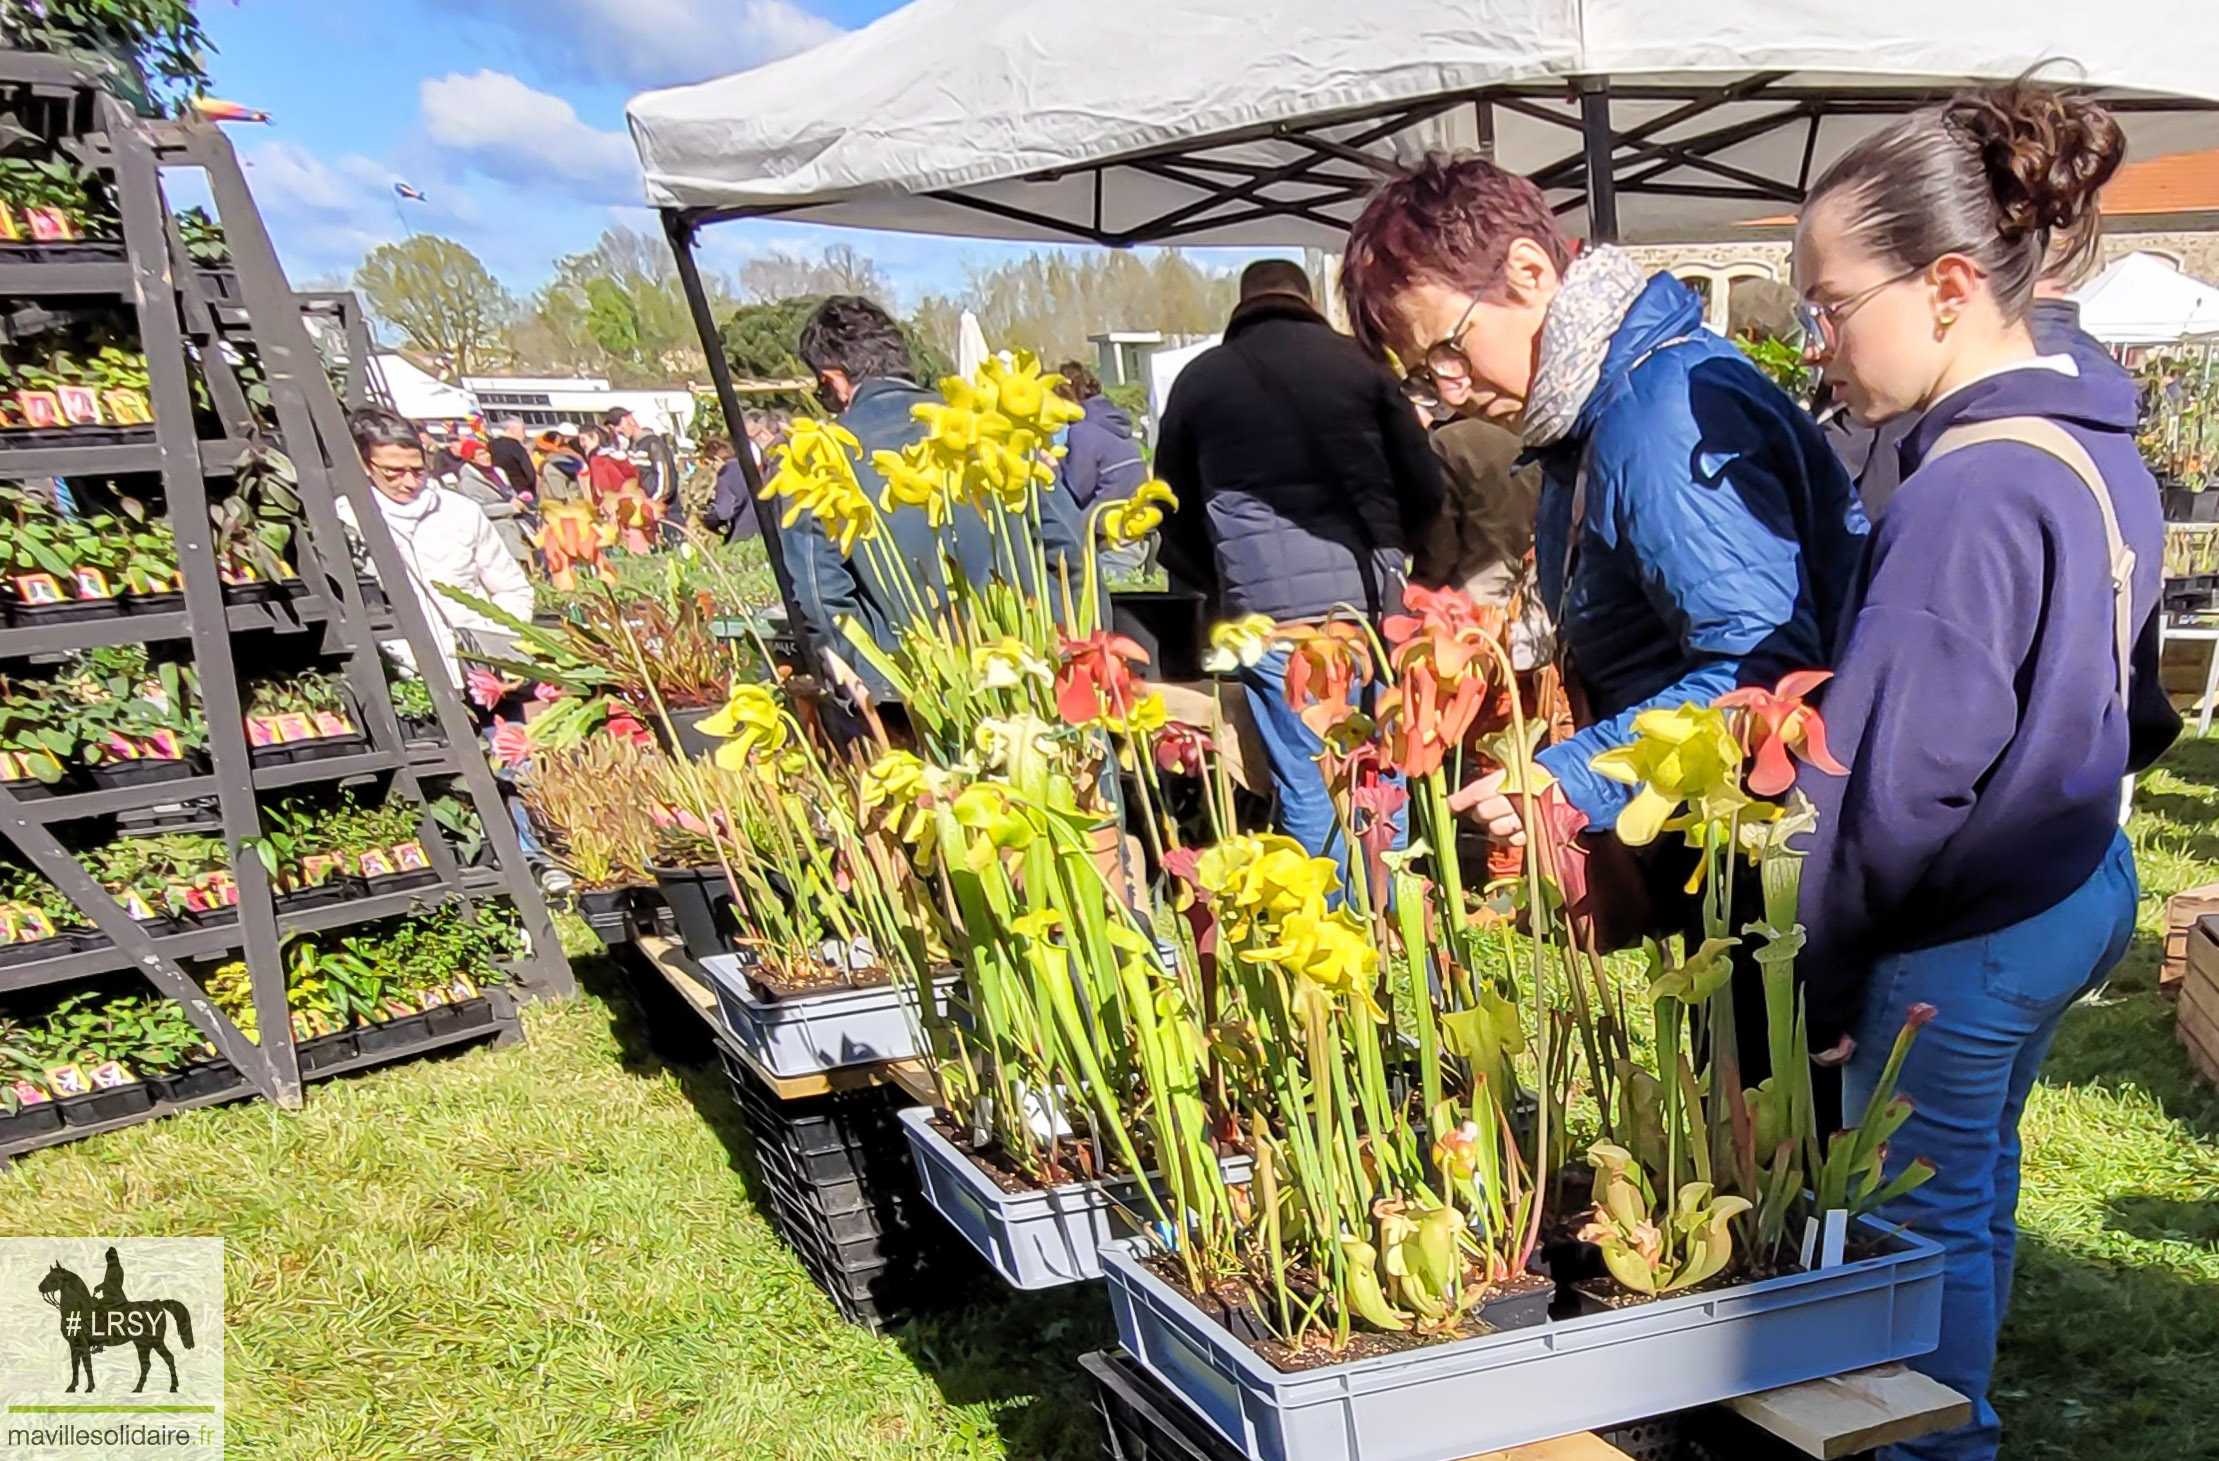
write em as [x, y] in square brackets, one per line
[914, 478]
[1147, 716]
[1332, 950]
[1239, 643]
[1271, 876]
[1027, 396]
[895, 784]
[816, 473]
[1008, 662]
[1688, 755]
[1138, 515]
[752, 720]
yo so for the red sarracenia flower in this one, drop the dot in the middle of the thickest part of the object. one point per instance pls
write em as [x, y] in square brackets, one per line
[1443, 655]
[512, 743]
[1776, 721]
[1180, 748]
[1095, 681]
[1324, 665]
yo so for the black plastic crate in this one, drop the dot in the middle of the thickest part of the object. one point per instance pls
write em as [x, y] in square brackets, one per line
[838, 1185]
[1142, 1421]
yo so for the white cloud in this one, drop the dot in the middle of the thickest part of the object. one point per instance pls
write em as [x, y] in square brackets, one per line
[661, 42]
[516, 134]
[323, 215]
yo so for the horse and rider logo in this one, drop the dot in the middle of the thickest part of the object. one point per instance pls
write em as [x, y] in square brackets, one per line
[102, 1318]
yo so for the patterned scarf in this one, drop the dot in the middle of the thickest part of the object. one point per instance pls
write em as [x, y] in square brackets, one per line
[1598, 289]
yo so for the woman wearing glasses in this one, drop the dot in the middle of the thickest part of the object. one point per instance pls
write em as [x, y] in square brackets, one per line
[445, 539]
[1999, 675]
[1695, 532]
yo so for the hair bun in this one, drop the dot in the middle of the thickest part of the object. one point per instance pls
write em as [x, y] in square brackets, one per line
[2047, 154]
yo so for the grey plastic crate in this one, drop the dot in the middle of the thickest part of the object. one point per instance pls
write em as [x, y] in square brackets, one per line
[1454, 1400]
[817, 1032]
[1041, 1239]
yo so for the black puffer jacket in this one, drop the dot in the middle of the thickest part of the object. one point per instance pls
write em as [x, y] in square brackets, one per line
[1302, 473]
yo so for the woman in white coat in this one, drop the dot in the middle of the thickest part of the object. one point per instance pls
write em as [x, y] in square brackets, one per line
[445, 539]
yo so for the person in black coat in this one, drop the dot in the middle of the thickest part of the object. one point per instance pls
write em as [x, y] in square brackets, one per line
[512, 458]
[1303, 478]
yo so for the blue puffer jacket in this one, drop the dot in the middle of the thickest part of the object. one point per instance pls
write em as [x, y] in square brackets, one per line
[829, 587]
[1718, 541]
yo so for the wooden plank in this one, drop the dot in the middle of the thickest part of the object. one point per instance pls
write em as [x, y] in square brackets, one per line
[670, 960]
[2185, 939]
[1586, 1446]
[1859, 1411]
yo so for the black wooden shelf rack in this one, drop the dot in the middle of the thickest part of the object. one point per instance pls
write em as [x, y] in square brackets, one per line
[187, 315]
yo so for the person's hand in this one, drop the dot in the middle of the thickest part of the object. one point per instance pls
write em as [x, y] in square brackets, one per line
[1485, 803]
[1843, 1048]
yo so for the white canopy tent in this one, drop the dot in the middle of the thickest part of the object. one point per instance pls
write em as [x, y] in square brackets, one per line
[1232, 123]
[1209, 122]
[2143, 300]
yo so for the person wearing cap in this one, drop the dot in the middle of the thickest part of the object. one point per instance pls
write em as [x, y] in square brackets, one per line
[561, 467]
[654, 463]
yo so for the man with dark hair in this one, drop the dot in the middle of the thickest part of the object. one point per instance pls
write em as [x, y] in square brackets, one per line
[866, 378]
[649, 454]
[1303, 478]
[1101, 461]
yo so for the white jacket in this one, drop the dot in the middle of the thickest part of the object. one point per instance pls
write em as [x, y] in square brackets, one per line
[445, 538]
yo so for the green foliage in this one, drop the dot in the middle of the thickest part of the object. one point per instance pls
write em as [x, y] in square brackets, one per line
[762, 342]
[1049, 303]
[202, 236]
[255, 521]
[441, 298]
[412, 698]
[161, 870]
[145, 1033]
[123, 38]
[1783, 361]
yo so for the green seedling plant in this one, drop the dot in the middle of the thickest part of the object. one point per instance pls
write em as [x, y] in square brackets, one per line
[1651, 1248]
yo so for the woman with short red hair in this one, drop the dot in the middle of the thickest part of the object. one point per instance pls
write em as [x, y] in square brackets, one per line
[1694, 532]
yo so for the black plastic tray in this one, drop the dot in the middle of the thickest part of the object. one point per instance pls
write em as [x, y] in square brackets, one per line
[94, 1107]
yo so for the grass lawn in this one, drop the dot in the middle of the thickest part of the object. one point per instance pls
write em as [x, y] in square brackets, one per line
[549, 1252]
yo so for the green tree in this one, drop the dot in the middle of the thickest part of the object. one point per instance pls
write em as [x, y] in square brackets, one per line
[159, 37]
[617, 310]
[762, 342]
[441, 299]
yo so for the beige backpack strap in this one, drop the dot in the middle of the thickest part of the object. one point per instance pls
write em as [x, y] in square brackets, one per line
[2046, 435]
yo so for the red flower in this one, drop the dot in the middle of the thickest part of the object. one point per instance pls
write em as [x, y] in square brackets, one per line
[512, 743]
[1323, 665]
[1776, 722]
[624, 727]
[485, 687]
[1180, 748]
[1443, 654]
[546, 693]
[1095, 681]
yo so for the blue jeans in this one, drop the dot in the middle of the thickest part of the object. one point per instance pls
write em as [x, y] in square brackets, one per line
[1305, 806]
[2000, 999]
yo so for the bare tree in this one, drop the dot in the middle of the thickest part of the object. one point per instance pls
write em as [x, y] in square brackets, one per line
[839, 269]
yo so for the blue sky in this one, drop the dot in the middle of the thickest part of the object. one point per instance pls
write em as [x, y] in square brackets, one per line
[508, 115]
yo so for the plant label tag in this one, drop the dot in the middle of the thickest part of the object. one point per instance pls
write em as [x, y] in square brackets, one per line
[136, 907]
[93, 584]
[42, 410]
[1810, 1241]
[11, 228]
[375, 864]
[317, 868]
[461, 988]
[48, 225]
[259, 731]
[196, 899]
[67, 1080]
[428, 998]
[328, 724]
[39, 588]
[11, 924]
[80, 405]
[13, 767]
[1834, 1240]
[410, 856]
[28, 1093]
[109, 1074]
[162, 746]
[293, 726]
[397, 1008]
[223, 892]
[127, 406]
[36, 924]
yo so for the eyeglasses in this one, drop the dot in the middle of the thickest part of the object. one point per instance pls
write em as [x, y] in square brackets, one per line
[395, 476]
[1444, 360]
[1821, 323]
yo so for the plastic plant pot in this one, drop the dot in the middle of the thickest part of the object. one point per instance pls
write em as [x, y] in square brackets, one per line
[814, 1033]
[701, 904]
[1466, 1397]
[453, 1019]
[31, 951]
[259, 591]
[41, 1118]
[604, 910]
[419, 877]
[30, 788]
[323, 1052]
[31, 616]
[144, 771]
[395, 1034]
[691, 743]
[94, 1107]
[327, 748]
[169, 602]
[196, 1082]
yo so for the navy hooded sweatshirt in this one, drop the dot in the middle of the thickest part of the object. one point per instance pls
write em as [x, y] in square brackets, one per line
[1975, 701]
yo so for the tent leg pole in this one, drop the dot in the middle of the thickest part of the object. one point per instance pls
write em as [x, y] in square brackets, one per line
[1602, 182]
[720, 373]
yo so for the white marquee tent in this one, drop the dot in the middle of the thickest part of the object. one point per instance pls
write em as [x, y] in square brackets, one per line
[1213, 122]
[2143, 300]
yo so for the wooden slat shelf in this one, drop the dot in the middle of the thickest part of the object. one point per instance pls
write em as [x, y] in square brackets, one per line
[40, 278]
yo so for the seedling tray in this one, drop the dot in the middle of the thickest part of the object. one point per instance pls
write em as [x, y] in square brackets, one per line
[71, 611]
[205, 1079]
[94, 1107]
[30, 951]
[145, 771]
[1466, 1397]
[34, 1120]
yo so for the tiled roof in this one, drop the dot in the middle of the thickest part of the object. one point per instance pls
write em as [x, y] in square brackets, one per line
[2185, 183]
